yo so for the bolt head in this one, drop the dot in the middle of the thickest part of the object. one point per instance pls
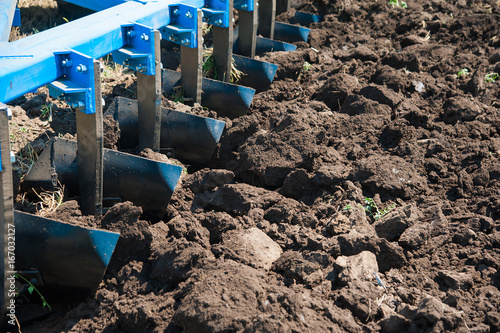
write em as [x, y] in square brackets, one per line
[81, 68]
[176, 12]
[131, 33]
[189, 15]
[79, 105]
[144, 37]
[66, 63]
[141, 68]
[185, 41]
[218, 22]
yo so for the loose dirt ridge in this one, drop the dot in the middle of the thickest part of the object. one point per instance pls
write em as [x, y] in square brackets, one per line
[273, 237]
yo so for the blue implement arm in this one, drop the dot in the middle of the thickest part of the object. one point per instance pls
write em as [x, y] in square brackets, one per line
[7, 10]
[97, 5]
[31, 62]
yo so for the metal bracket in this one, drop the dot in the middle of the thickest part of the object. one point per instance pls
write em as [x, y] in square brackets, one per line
[247, 5]
[183, 26]
[138, 52]
[17, 18]
[76, 83]
[216, 12]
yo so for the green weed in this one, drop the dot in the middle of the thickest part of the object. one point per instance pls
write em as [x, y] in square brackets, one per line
[463, 72]
[491, 77]
[209, 69]
[305, 67]
[31, 289]
[46, 112]
[397, 3]
[371, 209]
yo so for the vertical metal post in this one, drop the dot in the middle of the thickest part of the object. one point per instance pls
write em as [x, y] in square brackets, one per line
[247, 35]
[90, 152]
[267, 16]
[223, 48]
[191, 65]
[282, 6]
[149, 100]
[6, 210]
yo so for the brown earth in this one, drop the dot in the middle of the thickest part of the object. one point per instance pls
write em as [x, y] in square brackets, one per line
[273, 235]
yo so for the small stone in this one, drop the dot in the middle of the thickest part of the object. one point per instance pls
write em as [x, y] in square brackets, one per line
[464, 236]
[357, 267]
[394, 323]
[433, 310]
[460, 108]
[254, 245]
[456, 280]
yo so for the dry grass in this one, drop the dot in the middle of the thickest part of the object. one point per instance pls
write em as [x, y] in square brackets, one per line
[36, 16]
[49, 201]
[209, 70]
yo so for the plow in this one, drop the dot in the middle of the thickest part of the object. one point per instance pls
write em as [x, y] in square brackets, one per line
[61, 259]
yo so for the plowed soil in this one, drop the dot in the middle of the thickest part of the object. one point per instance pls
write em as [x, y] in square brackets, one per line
[273, 236]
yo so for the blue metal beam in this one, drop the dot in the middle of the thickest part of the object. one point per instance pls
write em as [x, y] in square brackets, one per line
[7, 10]
[96, 5]
[29, 63]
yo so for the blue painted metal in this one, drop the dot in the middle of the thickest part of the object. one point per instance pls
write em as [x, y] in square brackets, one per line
[236, 99]
[139, 51]
[216, 12]
[29, 63]
[228, 100]
[96, 5]
[76, 83]
[257, 74]
[246, 5]
[144, 182]
[192, 138]
[7, 10]
[290, 33]
[183, 25]
[70, 259]
[104, 244]
[306, 18]
[269, 45]
[17, 18]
